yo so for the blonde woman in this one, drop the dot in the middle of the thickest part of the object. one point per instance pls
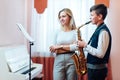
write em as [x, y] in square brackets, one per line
[64, 68]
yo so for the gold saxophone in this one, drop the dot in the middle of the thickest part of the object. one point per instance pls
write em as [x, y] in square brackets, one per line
[79, 60]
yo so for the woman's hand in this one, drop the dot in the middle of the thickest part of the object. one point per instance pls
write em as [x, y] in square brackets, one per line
[53, 48]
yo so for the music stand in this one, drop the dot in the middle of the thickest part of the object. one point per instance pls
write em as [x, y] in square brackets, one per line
[27, 36]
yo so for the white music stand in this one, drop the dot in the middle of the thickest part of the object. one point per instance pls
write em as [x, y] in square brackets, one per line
[31, 42]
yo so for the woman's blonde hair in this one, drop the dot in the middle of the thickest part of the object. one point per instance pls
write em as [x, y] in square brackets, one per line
[69, 13]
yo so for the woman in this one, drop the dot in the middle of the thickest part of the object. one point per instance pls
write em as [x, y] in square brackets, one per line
[64, 68]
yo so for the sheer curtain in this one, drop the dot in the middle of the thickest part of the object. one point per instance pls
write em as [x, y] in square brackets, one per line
[45, 24]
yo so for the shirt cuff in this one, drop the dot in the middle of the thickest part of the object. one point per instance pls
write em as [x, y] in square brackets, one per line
[87, 47]
[73, 47]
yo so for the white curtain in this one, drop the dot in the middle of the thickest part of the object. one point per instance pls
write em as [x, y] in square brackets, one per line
[45, 24]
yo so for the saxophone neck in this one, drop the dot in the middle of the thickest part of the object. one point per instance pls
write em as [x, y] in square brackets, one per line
[84, 24]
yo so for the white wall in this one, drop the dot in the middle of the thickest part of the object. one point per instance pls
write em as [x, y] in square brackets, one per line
[11, 12]
[114, 24]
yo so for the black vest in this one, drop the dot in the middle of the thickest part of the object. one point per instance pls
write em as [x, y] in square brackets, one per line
[94, 43]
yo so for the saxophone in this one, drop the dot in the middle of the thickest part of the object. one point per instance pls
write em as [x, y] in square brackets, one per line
[79, 60]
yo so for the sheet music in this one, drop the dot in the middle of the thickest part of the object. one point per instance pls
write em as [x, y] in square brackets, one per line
[24, 32]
